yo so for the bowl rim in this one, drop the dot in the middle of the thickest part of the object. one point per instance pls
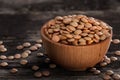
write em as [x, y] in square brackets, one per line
[56, 43]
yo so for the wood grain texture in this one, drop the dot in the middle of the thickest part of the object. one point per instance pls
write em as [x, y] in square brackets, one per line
[18, 28]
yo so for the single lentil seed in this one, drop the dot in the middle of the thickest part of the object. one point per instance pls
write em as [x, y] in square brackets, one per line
[97, 72]
[24, 55]
[109, 72]
[23, 62]
[33, 48]
[117, 53]
[19, 47]
[113, 58]
[56, 38]
[116, 76]
[17, 56]
[40, 54]
[35, 68]
[4, 64]
[103, 64]
[52, 66]
[39, 41]
[3, 57]
[38, 45]
[38, 74]
[116, 41]
[107, 77]
[14, 70]
[10, 57]
[46, 73]
[26, 44]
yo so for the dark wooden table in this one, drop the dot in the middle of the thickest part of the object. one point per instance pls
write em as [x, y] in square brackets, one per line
[16, 28]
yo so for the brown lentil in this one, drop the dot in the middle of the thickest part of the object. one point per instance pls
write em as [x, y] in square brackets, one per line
[3, 57]
[117, 53]
[107, 77]
[75, 24]
[38, 45]
[33, 48]
[113, 58]
[19, 47]
[38, 74]
[67, 20]
[47, 60]
[4, 64]
[97, 72]
[17, 56]
[77, 32]
[23, 62]
[107, 60]
[39, 41]
[14, 70]
[26, 44]
[103, 64]
[27, 51]
[3, 49]
[116, 76]
[56, 38]
[116, 41]
[46, 73]
[24, 55]
[35, 68]
[52, 66]
[109, 72]
[1, 42]
[93, 69]
[10, 57]
[40, 54]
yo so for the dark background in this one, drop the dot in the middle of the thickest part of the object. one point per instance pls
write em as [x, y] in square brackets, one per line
[21, 20]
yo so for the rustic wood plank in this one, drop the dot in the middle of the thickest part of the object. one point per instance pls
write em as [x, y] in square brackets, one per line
[18, 28]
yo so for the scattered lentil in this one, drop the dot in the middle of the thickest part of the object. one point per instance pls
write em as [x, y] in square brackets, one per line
[109, 72]
[106, 77]
[26, 44]
[117, 53]
[3, 57]
[14, 70]
[17, 56]
[116, 76]
[38, 74]
[39, 41]
[97, 72]
[10, 57]
[116, 41]
[33, 48]
[19, 47]
[24, 55]
[45, 73]
[4, 64]
[40, 54]
[23, 62]
[35, 68]
[113, 58]
[52, 66]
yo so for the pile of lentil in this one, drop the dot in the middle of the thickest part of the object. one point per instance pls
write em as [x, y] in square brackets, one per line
[77, 30]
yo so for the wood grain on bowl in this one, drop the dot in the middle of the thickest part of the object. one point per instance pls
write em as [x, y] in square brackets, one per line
[75, 58]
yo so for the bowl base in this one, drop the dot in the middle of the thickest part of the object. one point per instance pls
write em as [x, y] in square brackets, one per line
[81, 69]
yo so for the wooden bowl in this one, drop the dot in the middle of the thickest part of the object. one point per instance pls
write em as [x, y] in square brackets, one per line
[75, 58]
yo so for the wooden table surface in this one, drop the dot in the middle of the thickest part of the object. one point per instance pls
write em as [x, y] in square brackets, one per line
[16, 28]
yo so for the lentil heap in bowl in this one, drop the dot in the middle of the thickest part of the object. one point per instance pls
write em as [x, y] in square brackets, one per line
[77, 30]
